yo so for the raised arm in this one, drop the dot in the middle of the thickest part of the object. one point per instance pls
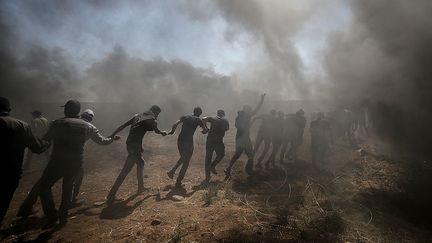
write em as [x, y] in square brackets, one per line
[128, 123]
[259, 105]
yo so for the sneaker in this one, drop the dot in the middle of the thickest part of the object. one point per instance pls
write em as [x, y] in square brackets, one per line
[170, 174]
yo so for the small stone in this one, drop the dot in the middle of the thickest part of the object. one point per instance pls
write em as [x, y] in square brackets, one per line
[177, 198]
[155, 222]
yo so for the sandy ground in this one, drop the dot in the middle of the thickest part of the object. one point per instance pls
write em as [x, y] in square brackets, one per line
[353, 197]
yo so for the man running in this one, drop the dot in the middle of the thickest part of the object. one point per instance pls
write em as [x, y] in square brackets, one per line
[15, 136]
[68, 136]
[243, 142]
[264, 134]
[139, 125]
[185, 142]
[218, 126]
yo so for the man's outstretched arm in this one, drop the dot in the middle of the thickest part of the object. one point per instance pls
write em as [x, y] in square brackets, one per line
[128, 123]
[259, 105]
[174, 127]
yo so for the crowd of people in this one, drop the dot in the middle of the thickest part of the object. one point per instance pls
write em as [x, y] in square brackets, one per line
[63, 141]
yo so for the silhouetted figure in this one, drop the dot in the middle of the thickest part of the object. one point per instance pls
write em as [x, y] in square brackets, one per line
[15, 136]
[185, 142]
[140, 124]
[289, 133]
[277, 135]
[264, 134]
[321, 137]
[218, 126]
[297, 139]
[26, 207]
[243, 141]
[39, 126]
[68, 136]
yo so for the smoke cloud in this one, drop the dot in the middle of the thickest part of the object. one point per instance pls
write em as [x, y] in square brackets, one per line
[384, 59]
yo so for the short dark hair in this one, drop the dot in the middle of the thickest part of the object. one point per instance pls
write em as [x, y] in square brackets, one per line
[72, 108]
[155, 109]
[197, 110]
[4, 105]
[220, 112]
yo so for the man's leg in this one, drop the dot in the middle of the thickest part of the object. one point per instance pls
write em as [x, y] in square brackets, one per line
[27, 206]
[236, 156]
[140, 173]
[275, 150]
[77, 183]
[179, 161]
[186, 156]
[220, 153]
[7, 190]
[249, 152]
[48, 179]
[284, 147]
[209, 154]
[267, 141]
[258, 142]
[127, 167]
[67, 187]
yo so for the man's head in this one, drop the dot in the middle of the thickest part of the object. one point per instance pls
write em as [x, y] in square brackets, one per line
[273, 113]
[4, 106]
[36, 114]
[300, 112]
[197, 111]
[72, 108]
[87, 115]
[220, 113]
[156, 110]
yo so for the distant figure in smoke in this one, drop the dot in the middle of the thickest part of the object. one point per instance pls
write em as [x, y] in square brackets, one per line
[39, 126]
[289, 133]
[264, 134]
[277, 136]
[243, 141]
[68, 136]
[26, 207]
[297, 139]
[218, 126]
[321, 136]
[185, 142]
[15, 136]
[139, 125]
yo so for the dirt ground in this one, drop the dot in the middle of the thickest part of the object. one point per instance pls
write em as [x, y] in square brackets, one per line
[356, 196]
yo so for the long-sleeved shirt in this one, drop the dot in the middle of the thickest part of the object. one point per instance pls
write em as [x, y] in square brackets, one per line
[15, 136]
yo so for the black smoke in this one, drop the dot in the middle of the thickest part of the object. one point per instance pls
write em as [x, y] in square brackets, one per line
[384, 60]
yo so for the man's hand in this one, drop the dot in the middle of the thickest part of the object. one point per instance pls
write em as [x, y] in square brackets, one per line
[171, 132]
[116, 137]
[204, 131]
[163, 133]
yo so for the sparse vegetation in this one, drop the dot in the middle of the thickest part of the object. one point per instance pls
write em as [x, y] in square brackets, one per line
[210, 193]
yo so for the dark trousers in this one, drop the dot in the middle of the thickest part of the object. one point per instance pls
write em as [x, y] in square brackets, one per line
[243, 145]
[134, 157]
[185, 149]
[77, 183]
[50, 176]
[212, 147]
[7, 189]
[262, 137]
[276, 143]
[30, 200]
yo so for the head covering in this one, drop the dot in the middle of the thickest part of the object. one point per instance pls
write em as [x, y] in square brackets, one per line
[36, 113]
[155, 109]
[221, 113]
